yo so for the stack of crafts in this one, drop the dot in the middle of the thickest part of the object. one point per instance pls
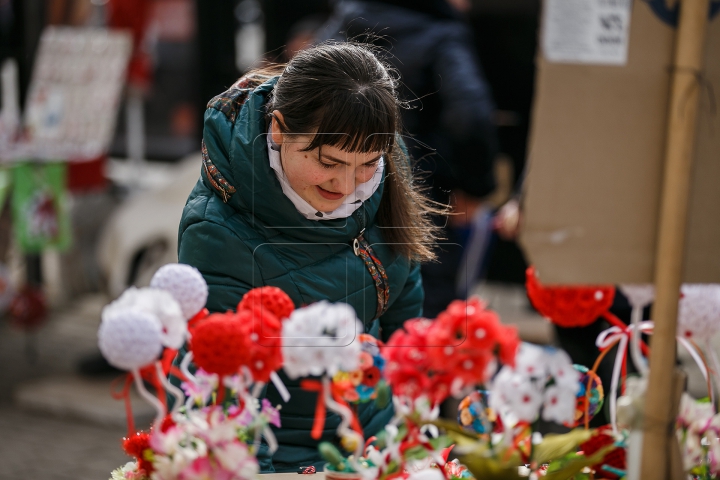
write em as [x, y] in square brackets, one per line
[217, 421]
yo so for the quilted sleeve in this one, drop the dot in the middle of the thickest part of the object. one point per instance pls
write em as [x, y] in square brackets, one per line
[408, 305]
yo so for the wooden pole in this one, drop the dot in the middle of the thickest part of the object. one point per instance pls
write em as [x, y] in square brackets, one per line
[682, 112]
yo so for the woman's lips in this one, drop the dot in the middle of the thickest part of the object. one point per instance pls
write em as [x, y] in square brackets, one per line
[327, 194]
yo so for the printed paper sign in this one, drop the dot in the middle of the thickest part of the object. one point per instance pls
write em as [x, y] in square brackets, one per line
[41, 210]
[75, 92]
[586, 31]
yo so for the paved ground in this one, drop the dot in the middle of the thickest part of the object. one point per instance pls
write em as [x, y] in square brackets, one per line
[35, 445]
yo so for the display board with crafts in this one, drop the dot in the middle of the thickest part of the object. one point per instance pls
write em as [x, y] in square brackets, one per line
[57, 147]
[212, 422]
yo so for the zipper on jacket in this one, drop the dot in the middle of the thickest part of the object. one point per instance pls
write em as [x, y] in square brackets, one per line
[360, 215]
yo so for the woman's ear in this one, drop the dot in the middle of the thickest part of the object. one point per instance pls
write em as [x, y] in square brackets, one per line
[275, 131]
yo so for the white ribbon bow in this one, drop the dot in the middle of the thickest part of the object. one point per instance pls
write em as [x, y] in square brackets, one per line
[621, 336]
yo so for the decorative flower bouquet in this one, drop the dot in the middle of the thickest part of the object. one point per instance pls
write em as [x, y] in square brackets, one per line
[204, 436]
[498, 428]
[425, 362]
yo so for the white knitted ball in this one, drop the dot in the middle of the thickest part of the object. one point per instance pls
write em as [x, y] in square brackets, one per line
[185, 283]
[158, 303]
[130, 339]
[699, 310]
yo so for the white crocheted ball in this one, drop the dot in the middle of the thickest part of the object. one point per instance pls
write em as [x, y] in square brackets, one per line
[185, 283]
[159, 303]
[699, 310]
[130, 339]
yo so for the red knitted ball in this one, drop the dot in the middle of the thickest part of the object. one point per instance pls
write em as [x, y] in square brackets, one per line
[264, 333]
[219, 344]
[270, 298]
[568, 306]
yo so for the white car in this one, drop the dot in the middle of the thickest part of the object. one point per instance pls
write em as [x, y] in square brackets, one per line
[141, 234]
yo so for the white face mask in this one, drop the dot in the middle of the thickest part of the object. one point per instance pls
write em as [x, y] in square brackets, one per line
[352, 202]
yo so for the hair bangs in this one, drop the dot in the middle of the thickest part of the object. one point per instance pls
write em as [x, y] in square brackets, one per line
[361, 123]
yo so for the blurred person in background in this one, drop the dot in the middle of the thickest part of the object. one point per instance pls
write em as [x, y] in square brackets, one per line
[451, 114]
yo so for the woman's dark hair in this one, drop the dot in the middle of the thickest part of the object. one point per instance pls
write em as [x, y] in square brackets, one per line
[347, 97]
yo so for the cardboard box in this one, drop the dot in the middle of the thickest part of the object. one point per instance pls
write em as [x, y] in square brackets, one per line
[596, 161]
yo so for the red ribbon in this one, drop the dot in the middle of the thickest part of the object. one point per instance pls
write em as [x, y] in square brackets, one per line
[616, 322]
[124, 394]
[337, 394]
[192, 323]
[149, 374]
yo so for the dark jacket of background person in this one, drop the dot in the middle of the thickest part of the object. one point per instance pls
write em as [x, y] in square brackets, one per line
[241, 231]
[452, 112]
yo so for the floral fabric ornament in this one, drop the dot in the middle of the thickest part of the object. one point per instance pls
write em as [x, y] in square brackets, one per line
[542, 378]
[699, 311]
[361, 384]
[442, 357]
[568, 306]
[475, 415]
[321, 339]
[158, 303]
[590, 396]
[186, 285]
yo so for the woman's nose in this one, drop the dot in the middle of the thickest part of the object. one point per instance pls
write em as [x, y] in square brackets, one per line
[345, 183]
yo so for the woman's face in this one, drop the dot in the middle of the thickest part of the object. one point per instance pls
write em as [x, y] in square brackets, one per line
[323, 177]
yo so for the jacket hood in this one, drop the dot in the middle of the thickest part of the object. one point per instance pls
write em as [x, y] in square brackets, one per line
[237, 169]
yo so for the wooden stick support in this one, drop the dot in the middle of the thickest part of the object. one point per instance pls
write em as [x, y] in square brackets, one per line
[682, 112]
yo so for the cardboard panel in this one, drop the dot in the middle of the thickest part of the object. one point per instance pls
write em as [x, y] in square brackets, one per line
[596, 155]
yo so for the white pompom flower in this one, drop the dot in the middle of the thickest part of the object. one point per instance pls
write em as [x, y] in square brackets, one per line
[560, 367]
[699, 311]
[321, 339]
[530, 361]
[185, 283]
[130, 339]
[559, 405]
[156, 302]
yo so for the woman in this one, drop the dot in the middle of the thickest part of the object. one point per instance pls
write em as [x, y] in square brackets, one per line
[305, 187]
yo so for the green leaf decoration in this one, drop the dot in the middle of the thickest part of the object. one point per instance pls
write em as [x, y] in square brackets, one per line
[555, 446]
[332, 455]
[576, 464]
[382, 395]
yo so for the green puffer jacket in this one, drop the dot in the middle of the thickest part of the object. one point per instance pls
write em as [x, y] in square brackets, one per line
[242, 232]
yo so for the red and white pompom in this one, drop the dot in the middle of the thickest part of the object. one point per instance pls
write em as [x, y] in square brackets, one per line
[321, 339]
[220, 344]
[185, 283]
[699, 310]
[130, 339]
[269, 298]
[158, 303]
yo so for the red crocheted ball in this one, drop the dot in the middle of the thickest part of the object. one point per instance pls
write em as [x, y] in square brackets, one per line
[271, 298]
[220, 344]
[264, 334]
[135, 446]
[615, 458]
[567, 306]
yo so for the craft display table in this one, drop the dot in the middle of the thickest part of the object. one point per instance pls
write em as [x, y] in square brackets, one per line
[291, 476]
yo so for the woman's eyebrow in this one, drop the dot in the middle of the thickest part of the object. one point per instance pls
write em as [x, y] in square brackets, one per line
[333, 159]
